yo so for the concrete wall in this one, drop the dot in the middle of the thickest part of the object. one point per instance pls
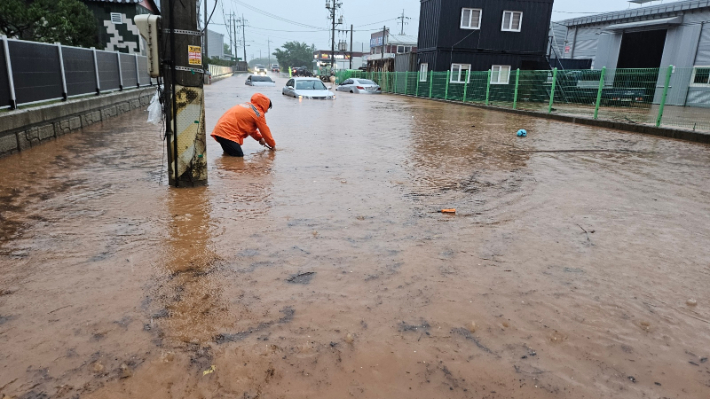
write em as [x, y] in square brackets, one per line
[26, 128]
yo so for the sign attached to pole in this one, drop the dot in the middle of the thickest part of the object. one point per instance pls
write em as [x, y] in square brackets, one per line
[195, 55]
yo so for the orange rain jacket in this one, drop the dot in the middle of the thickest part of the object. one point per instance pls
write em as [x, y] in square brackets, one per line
[243, 120]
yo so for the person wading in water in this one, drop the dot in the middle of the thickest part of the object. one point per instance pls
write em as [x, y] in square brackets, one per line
[244, 120]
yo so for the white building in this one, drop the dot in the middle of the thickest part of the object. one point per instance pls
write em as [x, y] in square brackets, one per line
[215, 44]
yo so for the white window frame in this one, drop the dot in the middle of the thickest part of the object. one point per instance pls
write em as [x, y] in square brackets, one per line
[510, 27]
[458, 78]
[113, 18]
[496, 74]
[470, 19]
[423, 71]
[692, 78]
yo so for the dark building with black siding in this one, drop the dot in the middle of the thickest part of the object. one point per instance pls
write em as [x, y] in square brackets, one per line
[479, 34]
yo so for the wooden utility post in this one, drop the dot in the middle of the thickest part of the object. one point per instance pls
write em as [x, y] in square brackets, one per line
[184, 98]
[351, 46]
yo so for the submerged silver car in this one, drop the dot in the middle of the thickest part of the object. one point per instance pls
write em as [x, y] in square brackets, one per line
[255, 80]
[360, 86]
[307, 88]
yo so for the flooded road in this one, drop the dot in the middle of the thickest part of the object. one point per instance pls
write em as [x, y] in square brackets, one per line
[577, 264]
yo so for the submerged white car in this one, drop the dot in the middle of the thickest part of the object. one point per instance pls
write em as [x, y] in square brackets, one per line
[360, 86]
[311, 88]
[255, 80]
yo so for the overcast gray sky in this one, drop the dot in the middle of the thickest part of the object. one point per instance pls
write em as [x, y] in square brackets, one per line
[309, 23]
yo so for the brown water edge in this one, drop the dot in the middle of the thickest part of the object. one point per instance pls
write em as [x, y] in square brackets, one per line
[575, 266]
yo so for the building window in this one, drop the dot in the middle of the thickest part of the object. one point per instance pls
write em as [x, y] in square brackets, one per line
[512, 21]
[423, 72]
[116, 18]
[404, 49]
[471, 18]
[500, 74]
[459, 73]
[701, 77]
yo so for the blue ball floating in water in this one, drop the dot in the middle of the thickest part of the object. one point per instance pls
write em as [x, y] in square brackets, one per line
[522, 133]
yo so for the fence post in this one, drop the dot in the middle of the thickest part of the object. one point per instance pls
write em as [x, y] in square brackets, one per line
[448, 78]
[396, 74]
[599, 93]
[96, 68]
[8, 64]
[406, 83]
[552, 90]
[61, 70]
[120, 72]
[465, 86]
[419, 74]
[517, 84]
[488, 87]
[138, 75]
[663, 97]
[431, 82]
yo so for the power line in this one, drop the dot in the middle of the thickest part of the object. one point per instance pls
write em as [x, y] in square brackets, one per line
[274, 16]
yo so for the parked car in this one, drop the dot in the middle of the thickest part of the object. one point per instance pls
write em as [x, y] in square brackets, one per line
[360, 86]
[259, 70]
[262, 81]
[307, 88]
[275, 68]
[301, 71]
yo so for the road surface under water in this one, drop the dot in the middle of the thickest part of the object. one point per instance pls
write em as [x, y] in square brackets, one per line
[323, 270]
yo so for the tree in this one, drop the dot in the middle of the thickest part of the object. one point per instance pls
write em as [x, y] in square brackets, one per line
[227, 50]
[69, 22]
[294, 54]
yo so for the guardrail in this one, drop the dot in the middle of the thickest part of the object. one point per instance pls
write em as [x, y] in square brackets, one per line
[34, 72]
[658, 97]
[217, 71]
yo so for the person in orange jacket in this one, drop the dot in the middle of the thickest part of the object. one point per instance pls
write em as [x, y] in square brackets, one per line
[248, 119]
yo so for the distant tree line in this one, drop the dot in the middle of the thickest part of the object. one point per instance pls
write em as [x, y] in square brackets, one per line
[294, 54]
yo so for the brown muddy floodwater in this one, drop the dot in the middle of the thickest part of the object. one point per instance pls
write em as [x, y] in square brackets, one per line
[323, 270]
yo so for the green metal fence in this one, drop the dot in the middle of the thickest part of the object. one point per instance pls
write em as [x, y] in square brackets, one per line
[659, 97]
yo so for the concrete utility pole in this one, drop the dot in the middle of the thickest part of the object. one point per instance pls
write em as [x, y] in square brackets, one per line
[403, 18]
[204, 51]
[244, 37]
[184, 96]
[234, 27]
[384, 35]
[333, 11]
[268, 48]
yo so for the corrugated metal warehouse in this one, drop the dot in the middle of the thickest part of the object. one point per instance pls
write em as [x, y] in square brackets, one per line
[657, 36]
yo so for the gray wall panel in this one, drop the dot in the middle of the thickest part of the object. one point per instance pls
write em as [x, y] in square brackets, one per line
[36, 71]
[108, 70]
[699, 97]
[703, 57]
[4, 84]
[79, 70]
[128, 70]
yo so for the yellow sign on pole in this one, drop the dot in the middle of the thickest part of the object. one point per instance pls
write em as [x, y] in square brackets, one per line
[195, 55]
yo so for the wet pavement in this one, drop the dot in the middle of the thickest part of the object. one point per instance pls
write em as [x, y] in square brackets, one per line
[577, 264]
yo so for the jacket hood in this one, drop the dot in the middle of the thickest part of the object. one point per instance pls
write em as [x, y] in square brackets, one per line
[261, 101]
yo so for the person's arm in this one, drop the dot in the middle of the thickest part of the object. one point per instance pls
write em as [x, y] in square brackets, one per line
[265, 132]
[256, 135]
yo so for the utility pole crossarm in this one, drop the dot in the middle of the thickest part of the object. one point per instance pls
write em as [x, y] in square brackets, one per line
[333, 11]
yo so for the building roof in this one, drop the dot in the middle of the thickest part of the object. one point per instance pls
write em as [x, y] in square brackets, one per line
[650, 11]
[404, 39]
